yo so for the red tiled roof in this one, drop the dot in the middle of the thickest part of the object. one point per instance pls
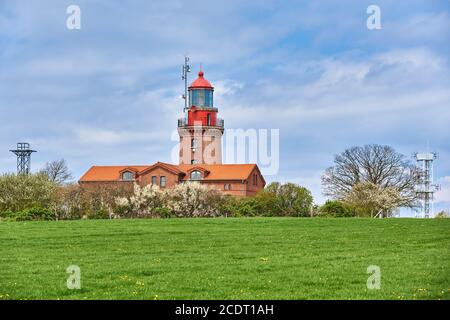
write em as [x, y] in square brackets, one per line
[108, 173]
[221, 171]
[215, 171]
[169, 167]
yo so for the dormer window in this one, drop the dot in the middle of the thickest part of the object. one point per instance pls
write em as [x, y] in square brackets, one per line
[127, 176]
[196, 175]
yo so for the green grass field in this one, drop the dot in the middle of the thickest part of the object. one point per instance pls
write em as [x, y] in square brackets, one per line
[253, 258]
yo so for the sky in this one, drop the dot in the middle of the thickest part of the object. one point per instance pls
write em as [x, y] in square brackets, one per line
[109, 93]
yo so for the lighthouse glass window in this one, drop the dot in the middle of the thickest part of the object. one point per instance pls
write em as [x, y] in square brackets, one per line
[201, 98]
[208, 98]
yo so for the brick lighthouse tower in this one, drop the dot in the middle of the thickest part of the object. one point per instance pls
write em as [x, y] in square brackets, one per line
[201, 132]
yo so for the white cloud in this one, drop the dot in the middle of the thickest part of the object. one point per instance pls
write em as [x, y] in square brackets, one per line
[443, 195]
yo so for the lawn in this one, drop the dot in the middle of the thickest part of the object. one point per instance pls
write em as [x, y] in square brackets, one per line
[233, 258]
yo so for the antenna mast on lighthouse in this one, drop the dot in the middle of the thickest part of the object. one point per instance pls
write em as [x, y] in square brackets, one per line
[184, 76]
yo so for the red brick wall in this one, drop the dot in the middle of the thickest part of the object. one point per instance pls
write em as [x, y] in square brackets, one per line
[171, 178]
[237, 187]
[252, 188]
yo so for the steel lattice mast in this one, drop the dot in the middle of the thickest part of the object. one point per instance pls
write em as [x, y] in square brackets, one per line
[23, 153]
[424, 177]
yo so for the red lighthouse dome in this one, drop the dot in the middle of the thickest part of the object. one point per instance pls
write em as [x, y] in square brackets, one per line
[201, 82]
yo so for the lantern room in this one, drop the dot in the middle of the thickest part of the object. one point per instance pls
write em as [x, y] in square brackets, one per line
[201, 92]
[201, 109]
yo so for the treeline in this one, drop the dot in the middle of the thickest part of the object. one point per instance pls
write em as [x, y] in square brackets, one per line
[37, 197]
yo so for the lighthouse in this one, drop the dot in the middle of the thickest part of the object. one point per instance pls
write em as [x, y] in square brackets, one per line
[201, 131]
[200, 153]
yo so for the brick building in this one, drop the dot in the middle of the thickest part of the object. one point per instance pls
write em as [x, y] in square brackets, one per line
[200, 155]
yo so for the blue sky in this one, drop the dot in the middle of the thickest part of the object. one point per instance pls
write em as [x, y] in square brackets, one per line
[109, 93]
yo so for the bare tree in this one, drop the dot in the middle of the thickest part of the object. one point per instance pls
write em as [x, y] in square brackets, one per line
[379, 165]
[57, 171]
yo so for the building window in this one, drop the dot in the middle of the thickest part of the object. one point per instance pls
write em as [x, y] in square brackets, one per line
[227, 186]
[127, 175]
[255, 179]
[194, 143]
[154, 180]
[193, 161]
[208, 117]
[196, 175]
[162, 181]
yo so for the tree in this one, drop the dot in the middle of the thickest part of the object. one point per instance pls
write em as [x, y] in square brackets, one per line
[375, 164]
[291, 199]
[375, 201]
[57, 171]
[20, 192]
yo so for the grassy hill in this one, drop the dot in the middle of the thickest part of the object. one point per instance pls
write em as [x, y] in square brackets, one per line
[253, 258]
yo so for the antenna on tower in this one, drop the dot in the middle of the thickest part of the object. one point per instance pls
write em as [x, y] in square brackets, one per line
[23, 153]
[424, 181]
[184, 76]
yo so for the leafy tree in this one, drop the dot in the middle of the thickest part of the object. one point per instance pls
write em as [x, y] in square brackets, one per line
[291, 199]
[378, 165]
[20, 192]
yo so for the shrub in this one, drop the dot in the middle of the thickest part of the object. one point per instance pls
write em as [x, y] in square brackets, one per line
[192, 199]
[337, 209]
[6, 214]
[163, 212]
[141, 203]
[276, 200]
[92, 202]
[31, 214]
[20, 192]
[238, 207]
[442, 214]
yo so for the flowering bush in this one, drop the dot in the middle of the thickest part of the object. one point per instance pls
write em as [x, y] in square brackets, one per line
[375, 201]
[20, 192]
[192, 199]
[143, 202]
[34, 197]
